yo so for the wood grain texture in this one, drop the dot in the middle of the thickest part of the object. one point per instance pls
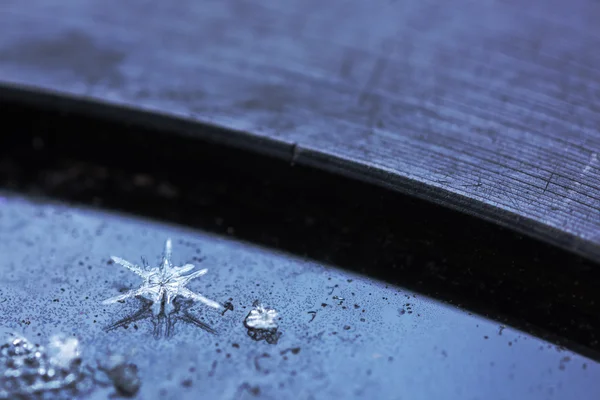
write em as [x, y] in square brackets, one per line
[491, 107]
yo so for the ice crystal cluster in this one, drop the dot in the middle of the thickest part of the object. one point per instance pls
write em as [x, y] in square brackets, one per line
[162, 284]
[32, 371]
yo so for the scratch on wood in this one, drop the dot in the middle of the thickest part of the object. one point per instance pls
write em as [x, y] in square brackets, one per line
[585, 171]
[478, 184]
[593, 160]
[373, 80]
[511, 199]
[548, 182]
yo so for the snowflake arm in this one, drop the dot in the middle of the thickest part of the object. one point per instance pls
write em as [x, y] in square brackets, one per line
[186, 268]
[168, 254]
[187, 278]
[185, 292]
[132, 267]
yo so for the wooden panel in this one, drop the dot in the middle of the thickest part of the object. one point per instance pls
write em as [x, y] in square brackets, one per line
[490, 106]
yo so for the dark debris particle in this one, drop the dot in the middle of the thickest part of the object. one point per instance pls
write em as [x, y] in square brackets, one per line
[125, 379]
[347, 328]
[237, 346]
[562, 366]
[253, 390]
[293, 350]
[186, 383]
[227, 306]
[485, 337]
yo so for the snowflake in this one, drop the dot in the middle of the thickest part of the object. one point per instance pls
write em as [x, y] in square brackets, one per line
[163, 284]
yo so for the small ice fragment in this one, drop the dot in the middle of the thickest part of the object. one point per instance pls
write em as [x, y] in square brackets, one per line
[64, 351]
[262, 318]
[261, 323]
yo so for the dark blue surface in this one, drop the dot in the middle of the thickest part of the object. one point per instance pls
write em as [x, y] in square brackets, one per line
[380, 342]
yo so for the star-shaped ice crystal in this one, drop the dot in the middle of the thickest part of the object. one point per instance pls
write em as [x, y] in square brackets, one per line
[163, 283]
